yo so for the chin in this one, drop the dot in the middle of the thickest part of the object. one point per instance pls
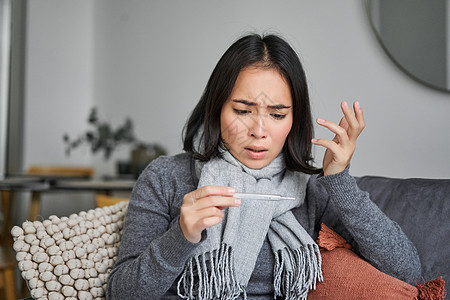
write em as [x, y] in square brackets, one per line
[255, 164]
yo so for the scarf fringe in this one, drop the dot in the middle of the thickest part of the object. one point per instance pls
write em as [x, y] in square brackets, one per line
[216, 281]
[306, 270]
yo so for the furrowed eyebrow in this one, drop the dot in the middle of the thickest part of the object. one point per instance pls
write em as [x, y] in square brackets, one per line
[251, 103]
[279, 106]
[246, 102]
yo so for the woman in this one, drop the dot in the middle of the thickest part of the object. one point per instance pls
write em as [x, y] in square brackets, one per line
[187, 235]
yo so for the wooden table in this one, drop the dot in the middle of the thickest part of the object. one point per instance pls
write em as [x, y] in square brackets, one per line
[102, 186]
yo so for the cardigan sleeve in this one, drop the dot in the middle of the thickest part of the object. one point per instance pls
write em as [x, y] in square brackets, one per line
[351, 213]
[153, 249]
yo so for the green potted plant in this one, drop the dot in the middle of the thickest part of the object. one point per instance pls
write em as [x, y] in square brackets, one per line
[102, 137]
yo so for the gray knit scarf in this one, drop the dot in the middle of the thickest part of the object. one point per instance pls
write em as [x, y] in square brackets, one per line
[222, 264]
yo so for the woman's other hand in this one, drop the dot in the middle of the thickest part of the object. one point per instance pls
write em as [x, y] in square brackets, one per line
[203, 207]
[340, 150]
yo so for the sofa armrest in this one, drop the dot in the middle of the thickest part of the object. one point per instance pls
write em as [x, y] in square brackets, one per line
[422, 209]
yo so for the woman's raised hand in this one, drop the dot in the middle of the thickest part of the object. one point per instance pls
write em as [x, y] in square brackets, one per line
[203, 207]
[340, 150]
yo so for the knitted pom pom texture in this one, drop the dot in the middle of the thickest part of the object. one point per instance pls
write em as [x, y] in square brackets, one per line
[70, 257]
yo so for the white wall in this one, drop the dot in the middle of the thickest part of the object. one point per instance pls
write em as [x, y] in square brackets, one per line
[151, 60]
[58, 94]
[58, 80]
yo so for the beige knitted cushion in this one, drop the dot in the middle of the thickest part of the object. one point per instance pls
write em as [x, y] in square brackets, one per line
[70, 257]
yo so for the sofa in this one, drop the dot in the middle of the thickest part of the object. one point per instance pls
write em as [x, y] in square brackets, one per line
[420, 206]
[422, 209]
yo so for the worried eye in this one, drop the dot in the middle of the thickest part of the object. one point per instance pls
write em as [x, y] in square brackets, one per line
[241, 111]
[278, 116]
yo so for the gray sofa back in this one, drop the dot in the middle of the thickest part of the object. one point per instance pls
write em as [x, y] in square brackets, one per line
[422, 209]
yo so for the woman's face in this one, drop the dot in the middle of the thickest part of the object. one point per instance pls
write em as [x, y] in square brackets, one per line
[256, 119]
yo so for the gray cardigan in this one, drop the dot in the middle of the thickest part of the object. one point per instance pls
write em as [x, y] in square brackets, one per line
[153, 250]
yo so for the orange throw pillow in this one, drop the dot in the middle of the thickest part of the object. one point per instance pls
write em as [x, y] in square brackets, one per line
[348, 276]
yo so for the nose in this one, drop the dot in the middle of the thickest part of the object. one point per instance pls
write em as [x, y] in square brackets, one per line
[257, 127]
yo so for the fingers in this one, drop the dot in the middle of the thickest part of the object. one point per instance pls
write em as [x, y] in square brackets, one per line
[341, 148]
[219, 196]
[220, 202]
[350, 126]
[210, 190]
[343, 123]
[331, 145]
[210, 212]
[340, 131]
[359, 114]
[350, 118]
[208, 222]
[354, 119]
[203, 207]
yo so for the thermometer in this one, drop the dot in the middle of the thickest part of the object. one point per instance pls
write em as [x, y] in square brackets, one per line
[261, 197]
